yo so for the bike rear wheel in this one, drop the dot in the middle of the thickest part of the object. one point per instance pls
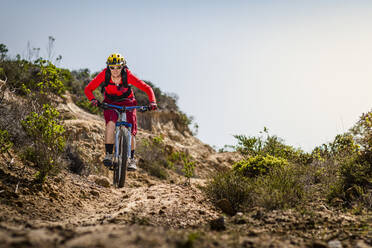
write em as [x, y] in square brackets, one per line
[120, 171]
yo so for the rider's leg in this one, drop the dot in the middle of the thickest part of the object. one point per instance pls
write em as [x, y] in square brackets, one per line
[132, 162]
[133, 142]
[110, 133]
[109, 143]
[132, 118]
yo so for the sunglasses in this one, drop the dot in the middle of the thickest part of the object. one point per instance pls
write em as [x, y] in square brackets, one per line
[115, 67]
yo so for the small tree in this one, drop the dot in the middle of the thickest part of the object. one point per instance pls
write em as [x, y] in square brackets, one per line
[3, 51]
[48, 140]
[50, 47]
[188, 167]
[51, 78]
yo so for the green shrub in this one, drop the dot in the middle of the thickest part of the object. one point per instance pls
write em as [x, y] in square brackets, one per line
[40, 76]
[3, 51]
[5, 143]
[258, 165]
[172, 159]
[362, 132]
[158, 140]
[85, 104]
[20, 75]
[343, 146]
[48, 140]
[79, 80]
[355, 181]
[152, 157]
[188, 167]
[356, 171]
[154, 168]
[353, 153]
[263, 181]
[185, 161]
[50, 78]
[234, 187]
[270, 145]
[280, 188]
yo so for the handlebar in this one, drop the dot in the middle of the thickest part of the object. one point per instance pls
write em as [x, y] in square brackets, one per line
[123, 108]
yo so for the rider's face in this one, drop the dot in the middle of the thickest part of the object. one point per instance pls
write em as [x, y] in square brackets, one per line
[115, 70]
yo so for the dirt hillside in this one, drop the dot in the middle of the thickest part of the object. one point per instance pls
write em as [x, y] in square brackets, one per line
[84, 210]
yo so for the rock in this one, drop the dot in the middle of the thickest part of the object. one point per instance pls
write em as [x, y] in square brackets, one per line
[240, 220]
[95, 193]
[101, 181]
[201, 212]
[53, 195]
[258, 215]
[104, 182]
[253, 233]
[225, 206]
[361, 244]
[318, 244]
[218, 224]
[334, 244]
[150, 197]
[248, 243]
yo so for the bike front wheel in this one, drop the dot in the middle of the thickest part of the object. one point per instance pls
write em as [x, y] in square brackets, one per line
[120, 171]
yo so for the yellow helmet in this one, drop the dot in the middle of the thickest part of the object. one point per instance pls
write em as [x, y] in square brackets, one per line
[116, 59]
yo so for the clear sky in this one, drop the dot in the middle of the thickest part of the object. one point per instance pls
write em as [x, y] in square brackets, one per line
[301, 68]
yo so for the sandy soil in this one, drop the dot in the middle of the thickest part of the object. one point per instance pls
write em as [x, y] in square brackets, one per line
[77, 211]
[86, 211]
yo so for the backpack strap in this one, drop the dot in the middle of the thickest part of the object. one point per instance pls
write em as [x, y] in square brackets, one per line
[124, 78]
[107, 80]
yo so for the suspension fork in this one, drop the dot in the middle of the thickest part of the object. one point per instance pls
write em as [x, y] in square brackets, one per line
[117, 141]
[129, 141]
[117, 131]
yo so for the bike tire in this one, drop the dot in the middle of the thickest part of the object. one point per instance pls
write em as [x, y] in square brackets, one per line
[115, 178]
[118, 161]
[121, 169]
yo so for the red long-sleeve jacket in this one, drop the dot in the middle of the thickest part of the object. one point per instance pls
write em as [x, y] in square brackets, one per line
[113, 89]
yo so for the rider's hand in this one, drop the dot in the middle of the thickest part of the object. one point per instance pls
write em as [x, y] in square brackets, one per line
[153, 106]
[95, 102]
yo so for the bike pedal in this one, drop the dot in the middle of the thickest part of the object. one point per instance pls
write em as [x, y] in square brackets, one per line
[107, 163]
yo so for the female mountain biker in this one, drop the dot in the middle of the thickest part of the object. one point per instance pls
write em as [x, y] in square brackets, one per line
[116, 79]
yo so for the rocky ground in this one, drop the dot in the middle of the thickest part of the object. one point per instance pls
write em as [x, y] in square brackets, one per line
[72, 210]
[77, 211]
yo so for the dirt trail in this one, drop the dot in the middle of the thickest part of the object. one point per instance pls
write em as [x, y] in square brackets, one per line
[77, 212]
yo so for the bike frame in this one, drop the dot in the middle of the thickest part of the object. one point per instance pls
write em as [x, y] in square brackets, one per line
[122, 121]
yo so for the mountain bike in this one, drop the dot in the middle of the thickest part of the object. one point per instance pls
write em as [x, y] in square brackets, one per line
[123, 131]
